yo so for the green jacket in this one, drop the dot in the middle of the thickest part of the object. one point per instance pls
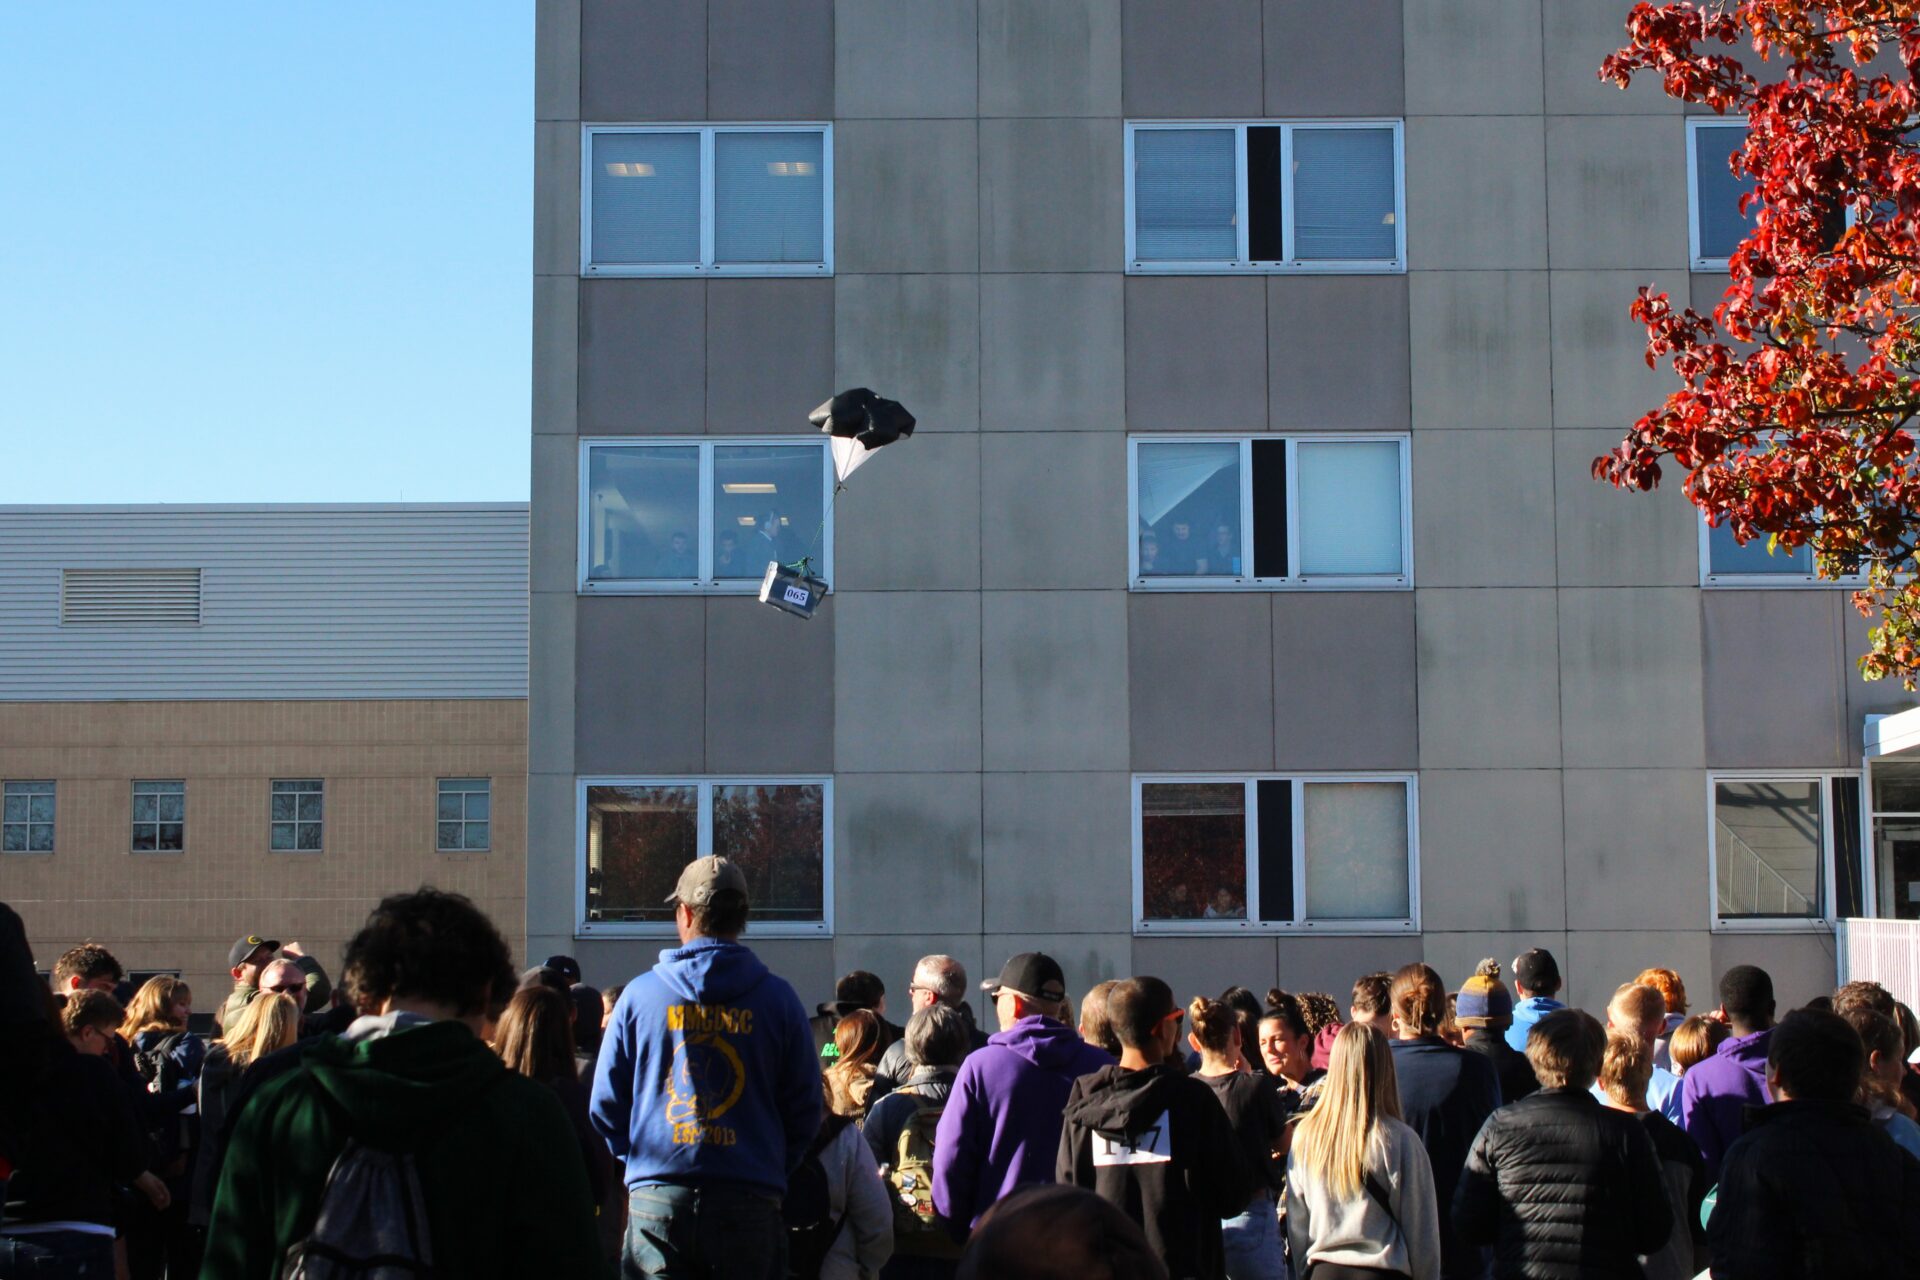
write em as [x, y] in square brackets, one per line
[500, 1167]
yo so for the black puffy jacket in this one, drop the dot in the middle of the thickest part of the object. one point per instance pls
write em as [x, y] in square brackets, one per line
[1816, 1189]
[1563, 1189]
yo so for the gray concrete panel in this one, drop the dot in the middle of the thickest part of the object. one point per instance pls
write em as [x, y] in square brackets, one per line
[1703, 292]
[1054, 680]
[1027, 481]
[1208, 965]
[1479, 349]
[1455, 955]
[770, 59]
[1491, 851]
[1489, 679]
[1053, 353]
[1479, 59]
[1506, 540]
[550, 635]
[1630, 679]
[556, 60]
[556, 201]
[915, 339]
[1596, 962]
[1600, 374]
[1331, 63]
[805, 963]
[891, 957]
[556, 355]
[1337, 353]
[1196, 354]
[1200, 680]
[906, 195]
[1051, 195]
[1749, 638]
[553, 540]
[905, 58]
[769, 689]
[1579, 36]
[1191, 58]
[1636, 848]
[910, 521]
[1802, 966]
[1612, 537]
[1343, 681]
[1057, 852]
[643, 356]
[1617, 190]
[1049, 58]
[643, 60]
[907, 856]
[1476, 192]
[769, 353]
[907, 683]
[552, 861]
[640, 685]
[1864, 697]
[1330, 964]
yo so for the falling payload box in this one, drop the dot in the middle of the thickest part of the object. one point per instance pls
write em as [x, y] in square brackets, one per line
[792, 592]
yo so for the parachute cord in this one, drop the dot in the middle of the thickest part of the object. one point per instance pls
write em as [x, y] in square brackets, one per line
[804, 565]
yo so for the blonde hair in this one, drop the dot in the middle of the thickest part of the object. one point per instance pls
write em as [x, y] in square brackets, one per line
[151, 1008]
[1339, 1138]
[1637, 1006]
[268, 1024]
[1625, 1068]
[1694, 1041]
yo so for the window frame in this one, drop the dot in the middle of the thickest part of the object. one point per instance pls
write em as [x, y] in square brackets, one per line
[296, 822]
[132, 823]
[707, 266]
[1829, 852]
[1811, 580]
[703, 785]
[703, 550]
[52, 825]
[1298, 926]
[1241, 263]
[1695, 124]
[439, 790]
[1294, 581]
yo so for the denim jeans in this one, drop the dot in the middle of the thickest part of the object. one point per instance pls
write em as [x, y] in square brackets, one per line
[1252, 1242]
[56, 1255]
[703, 1233]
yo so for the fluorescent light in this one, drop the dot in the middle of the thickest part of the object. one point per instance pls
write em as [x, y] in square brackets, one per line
[748, 521]
[790, 168]
[630, 170]
[1388, 221]
[750, 486]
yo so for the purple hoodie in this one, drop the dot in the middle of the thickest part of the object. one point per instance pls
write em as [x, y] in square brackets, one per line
[1001, 1128]
[1715, 1095]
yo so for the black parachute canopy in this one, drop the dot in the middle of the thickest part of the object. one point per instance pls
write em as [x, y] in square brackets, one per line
[860, 422]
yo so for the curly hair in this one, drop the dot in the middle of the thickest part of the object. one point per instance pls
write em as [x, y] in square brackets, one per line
[1320, 1010]
[88, 962]
[427, 945]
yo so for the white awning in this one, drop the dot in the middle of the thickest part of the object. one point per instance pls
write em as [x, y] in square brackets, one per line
[1897, 734]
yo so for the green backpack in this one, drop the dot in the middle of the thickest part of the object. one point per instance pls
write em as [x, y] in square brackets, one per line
[918, 1231]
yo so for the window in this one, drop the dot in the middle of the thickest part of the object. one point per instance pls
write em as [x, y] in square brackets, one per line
[1724, 562]
[1786, 848]
[295, 806]
[1322, 853]
[754, 200]
[464, 815]
[26, 817]
[701, 515]
[160, 817]
[1896, 840]
[1714, 191]
[638, 834]
[1219, 513]
[1271, 196]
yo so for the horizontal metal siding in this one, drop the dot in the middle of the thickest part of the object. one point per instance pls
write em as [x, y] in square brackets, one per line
[348, 602]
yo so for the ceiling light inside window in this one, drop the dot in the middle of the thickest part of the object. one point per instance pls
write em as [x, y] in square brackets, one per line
[746, 520]
[790, 168]
[631, 169]
[1389, 220]
[756, 486]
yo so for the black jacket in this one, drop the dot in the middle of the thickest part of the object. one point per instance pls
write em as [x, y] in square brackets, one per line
[1509, 1064]
[1816, 1189]
[81, 1138]
[1258, 1116]
[1156, 1144]
[1446, 1095]
[1563, 1189]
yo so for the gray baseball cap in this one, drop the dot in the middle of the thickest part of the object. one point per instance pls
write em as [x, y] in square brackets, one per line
[706, 877]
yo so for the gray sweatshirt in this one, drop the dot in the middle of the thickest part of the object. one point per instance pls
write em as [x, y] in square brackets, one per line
[1359, 1232]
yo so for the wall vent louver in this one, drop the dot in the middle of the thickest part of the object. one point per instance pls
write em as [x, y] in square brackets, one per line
[129, 597]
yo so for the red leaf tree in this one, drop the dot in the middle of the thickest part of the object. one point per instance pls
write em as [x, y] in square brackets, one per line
[1794, 420]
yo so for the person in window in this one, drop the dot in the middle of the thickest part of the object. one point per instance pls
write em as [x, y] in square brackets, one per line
[728, 560]
[770, 541]
[1224, 906]
[679, 561]
[1180, 904]
[1182, 554]
[1150, 563]
[1224, 555]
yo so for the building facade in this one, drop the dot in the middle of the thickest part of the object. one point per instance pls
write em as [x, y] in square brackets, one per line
[1243, 609]
[217, 721]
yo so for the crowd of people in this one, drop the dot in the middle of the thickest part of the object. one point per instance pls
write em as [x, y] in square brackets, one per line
[437, 1112]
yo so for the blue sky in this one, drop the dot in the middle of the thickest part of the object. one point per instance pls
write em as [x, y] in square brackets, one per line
[274, 252]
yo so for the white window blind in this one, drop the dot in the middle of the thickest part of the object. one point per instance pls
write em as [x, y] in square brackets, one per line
[1343, 194]
[646, 197]
[1356, 838]
[129, 597]
[767, 197]
[1184, 197]
[1349, 508]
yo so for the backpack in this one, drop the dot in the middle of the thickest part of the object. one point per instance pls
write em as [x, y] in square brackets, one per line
[917, 1230]
[157, 1066]
[372, 1223]
[807, 1207]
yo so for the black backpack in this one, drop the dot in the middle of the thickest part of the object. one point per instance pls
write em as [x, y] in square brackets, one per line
[807, 1208]
[157, 1066]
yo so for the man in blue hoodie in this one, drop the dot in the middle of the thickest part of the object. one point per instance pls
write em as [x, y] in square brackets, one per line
[1001, 1128]
[1536, 980]
[708, 1092]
